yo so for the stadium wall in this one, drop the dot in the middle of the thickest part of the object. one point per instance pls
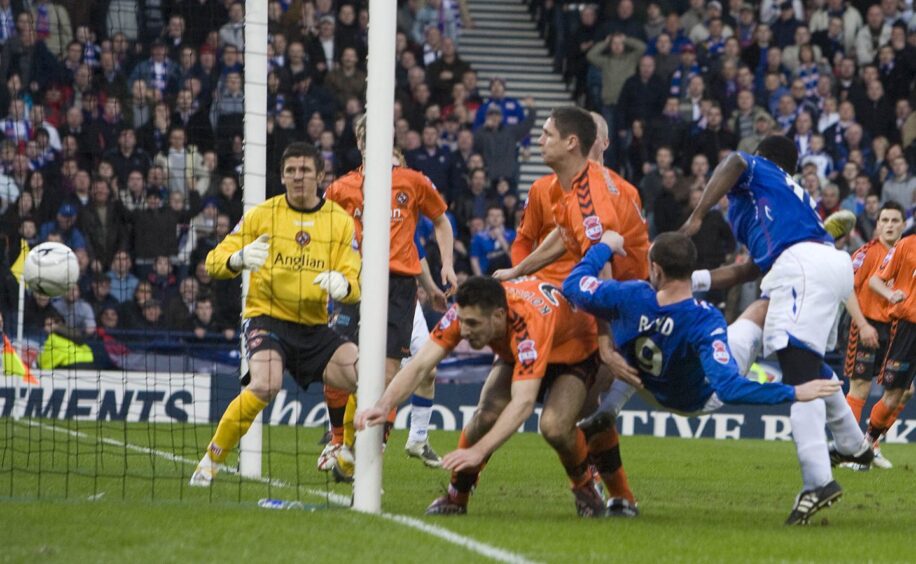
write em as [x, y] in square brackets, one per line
[201, 398]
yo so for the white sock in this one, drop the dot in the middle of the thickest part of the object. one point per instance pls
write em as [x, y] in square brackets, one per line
[808, 419]
[842, 424]
[616, 397]
[421, 409]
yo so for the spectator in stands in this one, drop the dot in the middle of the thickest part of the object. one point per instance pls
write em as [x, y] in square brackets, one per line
[582, 40]
[877, 111]
[446, 71]
[431, 159]
[229, 199]
[203, 323]
[323, 50]
[180, 306]
[671, 206]
[127, 157]
[668, 129]
[152, 320]
[233, 31]
[642, 95]
[183, 164]
[617, 58]
[156, 230]
[104, 222]
[347, 80]
[861, 189]
[123, 282]
[52, 26]
[76, 312]
[902, 187]
[785, 24]
[158, 71]
[714, 242]
[62, 347]
[650, 188]
[497, 142]
[100, 297]
[65, 227]
[153, 136]
[829, 201]
[873, 34]
[623, 21]
[434, 14]
[714, 139]
[473, 203]
[491, 246]
[193, 120]
[228, 108]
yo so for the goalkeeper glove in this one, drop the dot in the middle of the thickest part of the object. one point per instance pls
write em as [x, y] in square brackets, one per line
[334, 283]
[252, 256]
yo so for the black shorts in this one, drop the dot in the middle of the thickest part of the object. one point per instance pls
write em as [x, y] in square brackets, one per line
[900, 362]
[585, 370]
[306, 349]
[863, 363]
[402, 304]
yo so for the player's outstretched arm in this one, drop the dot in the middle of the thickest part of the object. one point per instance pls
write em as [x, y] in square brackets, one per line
[405, 382]
[723, 179]
[548, 251]
[513, 416]
[724, 277]
[722, 372]
[814, 389]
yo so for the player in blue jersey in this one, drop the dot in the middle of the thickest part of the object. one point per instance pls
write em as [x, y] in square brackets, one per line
[679, 345]
[805, 279]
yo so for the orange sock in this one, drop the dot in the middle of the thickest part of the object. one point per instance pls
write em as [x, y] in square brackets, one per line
[893, 417]
[462, 482]
[604, 451]
[336, 400]
[575, 461]
[878, 420]
[856, 405]
[389, 424]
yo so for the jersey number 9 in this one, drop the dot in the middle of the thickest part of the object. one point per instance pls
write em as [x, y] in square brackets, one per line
[649, 356]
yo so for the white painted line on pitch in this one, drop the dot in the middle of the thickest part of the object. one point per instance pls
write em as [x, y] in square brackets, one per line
[481, 548]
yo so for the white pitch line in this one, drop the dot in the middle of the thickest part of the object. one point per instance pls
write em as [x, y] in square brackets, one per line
[481, 548]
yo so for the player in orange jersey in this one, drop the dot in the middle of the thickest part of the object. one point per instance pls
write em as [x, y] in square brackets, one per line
[412, 194]
[864, 363]
[895, 281]
[545, 351]
[603, 201]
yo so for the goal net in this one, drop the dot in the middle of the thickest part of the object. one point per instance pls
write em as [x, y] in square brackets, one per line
[157, 129]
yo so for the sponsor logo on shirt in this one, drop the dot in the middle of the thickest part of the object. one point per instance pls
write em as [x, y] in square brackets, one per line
[402, 198]
[446, 321]
[593, 227]
[720, 352]
[589, 284]
[527, 352]
[303, 238]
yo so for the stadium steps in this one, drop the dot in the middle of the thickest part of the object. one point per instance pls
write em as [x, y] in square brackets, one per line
[505, 42]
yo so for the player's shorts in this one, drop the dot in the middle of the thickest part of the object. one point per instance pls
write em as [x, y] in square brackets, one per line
[306, 349]
[402, 301]
[585, 371]
[806, 285]
[900, 362]
[863, 363]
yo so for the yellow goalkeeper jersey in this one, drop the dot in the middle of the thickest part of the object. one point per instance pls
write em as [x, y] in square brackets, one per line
[303, 244]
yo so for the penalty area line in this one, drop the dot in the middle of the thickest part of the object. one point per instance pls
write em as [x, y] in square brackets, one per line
[472, 545]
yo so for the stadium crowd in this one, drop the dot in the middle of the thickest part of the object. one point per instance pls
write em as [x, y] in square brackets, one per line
[122, 124]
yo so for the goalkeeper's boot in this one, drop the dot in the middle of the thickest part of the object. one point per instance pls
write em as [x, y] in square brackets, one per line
[811, 501]
[621, 507]
[589, 499]
[880, 461]
[344, 465]
[447, 504]
[422, 450]
[595, 423]
[204, 473]
[328, 457]
[840, 223]
[864, 457]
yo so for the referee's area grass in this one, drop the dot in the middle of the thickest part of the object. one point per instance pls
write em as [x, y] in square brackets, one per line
[700, 500]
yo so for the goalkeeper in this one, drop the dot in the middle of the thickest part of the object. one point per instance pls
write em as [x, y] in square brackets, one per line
[301, 250]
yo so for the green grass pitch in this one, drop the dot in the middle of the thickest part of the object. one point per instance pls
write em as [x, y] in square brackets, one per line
[65, 498]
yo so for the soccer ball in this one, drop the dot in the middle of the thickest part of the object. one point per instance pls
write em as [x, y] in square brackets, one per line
[51, 268]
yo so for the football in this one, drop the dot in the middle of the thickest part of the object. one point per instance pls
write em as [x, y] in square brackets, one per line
[51, 268]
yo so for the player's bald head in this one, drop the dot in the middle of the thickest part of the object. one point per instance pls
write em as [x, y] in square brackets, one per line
[780, 150]
[602, 141]
[675, 254]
